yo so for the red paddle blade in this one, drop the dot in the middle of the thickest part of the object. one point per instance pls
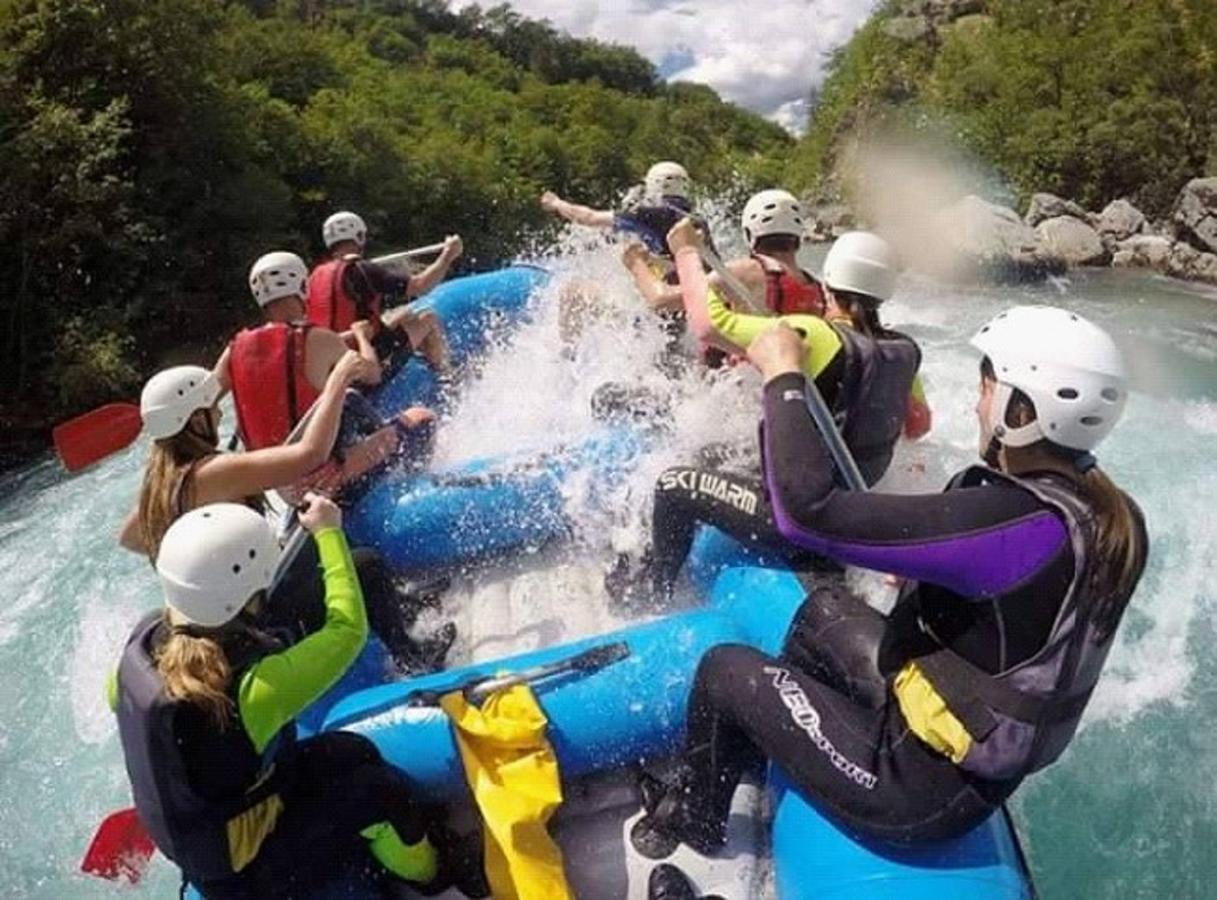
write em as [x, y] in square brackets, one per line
[120, 849]
[92, 437]
[917, 421]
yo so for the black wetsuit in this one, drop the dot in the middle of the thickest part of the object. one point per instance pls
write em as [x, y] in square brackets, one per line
[734, 502]
[364, 281]
[994, 563]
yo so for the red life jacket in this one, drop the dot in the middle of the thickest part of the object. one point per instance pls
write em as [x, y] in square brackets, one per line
[787, 295]
[330, 305]
[270, 386]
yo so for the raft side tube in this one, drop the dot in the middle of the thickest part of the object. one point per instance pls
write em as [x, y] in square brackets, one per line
[486, 507]
[474, 309]
[816, 858]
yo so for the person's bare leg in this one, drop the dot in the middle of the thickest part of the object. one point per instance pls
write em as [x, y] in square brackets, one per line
[426, 334]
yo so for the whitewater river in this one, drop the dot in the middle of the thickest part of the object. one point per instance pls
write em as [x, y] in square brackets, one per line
[1129, 811]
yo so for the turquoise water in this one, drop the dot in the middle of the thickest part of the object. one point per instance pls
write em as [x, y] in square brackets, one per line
[1129, 812]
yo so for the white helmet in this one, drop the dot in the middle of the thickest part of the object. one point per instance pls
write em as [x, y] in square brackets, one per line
[278, 275]
[171, 397]
[213, 560]
[862, 263]
[344, 226]
[772, 212]
[1069, 367]
[668, 179]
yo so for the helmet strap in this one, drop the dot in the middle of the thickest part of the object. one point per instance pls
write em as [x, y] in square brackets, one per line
[1009, 435]
[1085, 462]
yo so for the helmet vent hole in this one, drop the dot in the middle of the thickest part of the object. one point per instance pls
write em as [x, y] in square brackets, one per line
[1111, 395]
[1092, 420]
[1067, 394]
[253, 554]
[236, 568]
[206, 515]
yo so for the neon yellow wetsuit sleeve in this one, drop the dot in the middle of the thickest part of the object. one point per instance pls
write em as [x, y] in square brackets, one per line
[277, 688]
[822, 342]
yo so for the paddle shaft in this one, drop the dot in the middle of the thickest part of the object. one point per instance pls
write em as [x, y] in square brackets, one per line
[392, 258]
[734, 285]
[589, 660]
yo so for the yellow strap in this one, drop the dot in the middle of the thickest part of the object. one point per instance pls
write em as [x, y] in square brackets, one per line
[513, 774]
[928, 716]
[248, 830]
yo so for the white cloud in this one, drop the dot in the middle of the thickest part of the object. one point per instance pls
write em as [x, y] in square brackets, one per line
[765, 56]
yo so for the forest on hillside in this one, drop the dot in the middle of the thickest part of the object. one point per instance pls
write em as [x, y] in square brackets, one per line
[1093, 100]
[152, 149]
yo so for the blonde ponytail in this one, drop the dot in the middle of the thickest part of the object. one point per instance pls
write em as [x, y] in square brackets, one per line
[194, 668]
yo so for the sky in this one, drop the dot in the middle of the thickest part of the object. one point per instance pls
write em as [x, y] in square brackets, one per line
[762, 54]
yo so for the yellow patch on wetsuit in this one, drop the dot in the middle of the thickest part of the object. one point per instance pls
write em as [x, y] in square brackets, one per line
[513, 774]
[928, 716]
[247, 831]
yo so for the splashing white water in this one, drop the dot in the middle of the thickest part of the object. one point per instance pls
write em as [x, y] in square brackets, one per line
[71, 595]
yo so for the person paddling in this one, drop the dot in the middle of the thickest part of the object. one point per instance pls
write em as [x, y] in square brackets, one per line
[865, 371]
[917, 725]
[206, 701]
[773, 225]
[277, 371]
[186, 470]
[666, 198]
[347, 288]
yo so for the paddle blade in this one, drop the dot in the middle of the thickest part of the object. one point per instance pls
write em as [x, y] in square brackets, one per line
[92, 437]
[120, 849]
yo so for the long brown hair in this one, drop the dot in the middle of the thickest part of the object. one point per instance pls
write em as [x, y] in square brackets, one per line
[167, 475]
[195, 668]
[863, 312]
[1119, 550]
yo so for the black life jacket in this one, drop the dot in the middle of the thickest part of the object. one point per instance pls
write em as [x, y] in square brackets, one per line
[188, 824]
[1022, 718]
[873, 397]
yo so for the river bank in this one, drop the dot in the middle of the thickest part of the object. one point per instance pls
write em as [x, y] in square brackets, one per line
[975, 239]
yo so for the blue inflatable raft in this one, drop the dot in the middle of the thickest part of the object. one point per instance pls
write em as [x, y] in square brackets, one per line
[604, 723]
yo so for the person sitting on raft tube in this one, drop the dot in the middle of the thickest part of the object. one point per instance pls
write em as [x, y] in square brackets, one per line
[206, 702]
[773, 224]
[186, 470]
[347, 288]
[917, 725]
[277, 370]
[865, 372]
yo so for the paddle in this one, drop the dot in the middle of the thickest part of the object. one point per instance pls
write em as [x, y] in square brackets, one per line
[120, 849]
[393, 259]
[87, 439]
[478, 689]
[736, 287]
